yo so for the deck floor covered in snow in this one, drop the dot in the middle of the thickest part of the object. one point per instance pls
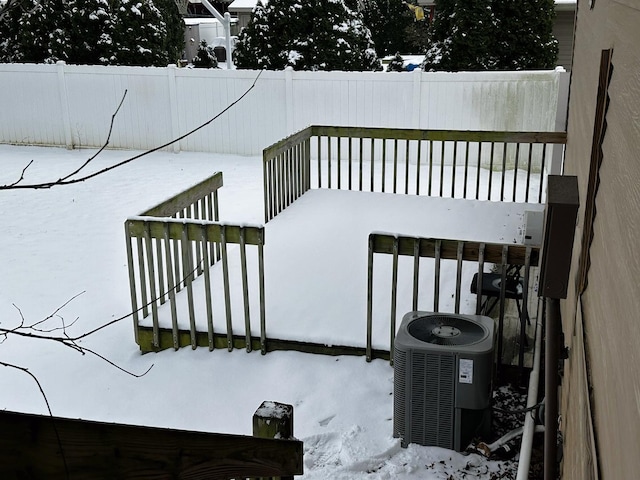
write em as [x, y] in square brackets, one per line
[316, 255]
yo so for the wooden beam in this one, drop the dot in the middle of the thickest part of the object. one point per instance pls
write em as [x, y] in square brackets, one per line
[254, 235]
[383, 243]
[30, 448]
[186, 198]
[440, 135]
[145, 341]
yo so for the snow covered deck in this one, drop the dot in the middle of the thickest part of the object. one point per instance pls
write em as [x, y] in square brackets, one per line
[315, 267]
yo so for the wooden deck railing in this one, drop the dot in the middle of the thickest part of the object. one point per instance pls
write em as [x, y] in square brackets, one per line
[36, 446]
[180, 239]
[503, 256]
[480, 165]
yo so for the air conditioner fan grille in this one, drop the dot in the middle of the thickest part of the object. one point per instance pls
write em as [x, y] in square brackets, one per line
[446, 330]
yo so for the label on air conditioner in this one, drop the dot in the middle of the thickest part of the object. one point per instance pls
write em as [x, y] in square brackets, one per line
[465, 371]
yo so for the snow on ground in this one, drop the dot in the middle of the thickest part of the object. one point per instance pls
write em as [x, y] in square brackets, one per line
[67, 241]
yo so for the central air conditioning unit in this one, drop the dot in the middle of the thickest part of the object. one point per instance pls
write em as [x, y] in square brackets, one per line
[443, 377]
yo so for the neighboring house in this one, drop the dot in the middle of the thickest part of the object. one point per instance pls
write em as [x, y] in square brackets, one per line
[600, 391]
[204, 28]
[242, 10]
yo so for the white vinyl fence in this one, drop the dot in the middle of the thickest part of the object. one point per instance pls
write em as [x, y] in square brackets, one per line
[72, 105]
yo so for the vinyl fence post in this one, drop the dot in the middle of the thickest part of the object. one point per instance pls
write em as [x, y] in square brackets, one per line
[64, 104]
[288, 88]
[416, 98]
[173, 106]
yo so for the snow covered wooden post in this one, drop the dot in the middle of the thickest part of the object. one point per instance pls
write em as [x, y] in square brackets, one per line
[273, 420]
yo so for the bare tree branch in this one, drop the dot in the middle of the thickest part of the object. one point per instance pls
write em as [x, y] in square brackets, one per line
[21, 175]
[104, 145]
[69, 181]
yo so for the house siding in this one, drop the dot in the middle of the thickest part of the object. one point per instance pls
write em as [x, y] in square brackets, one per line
[601, 326]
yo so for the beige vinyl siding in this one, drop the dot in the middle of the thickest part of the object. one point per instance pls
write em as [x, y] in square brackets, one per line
[611, 303]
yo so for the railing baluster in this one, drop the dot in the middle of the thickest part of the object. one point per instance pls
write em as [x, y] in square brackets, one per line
[504, 170]
[416, 273]
[197, 246]
[466, 169]
[479, 278]
[442, 163]
[373, 162]
[350, 162]
[493, 145]
[227, 293]
[319, 161]
[132, 281]
[152, 283]
[384, 164]
[339, 140]
[394, 297]
[436, 277]
[207, 289]
[360, 168]
[395, 165]
[478, 168]
[329, 161]
[406, 168]
[162, 292]
[419, 161]
[459, 275]
[530, 158]
[370, 298]
[515, 172]
[171, 284]
[245, 289]
[453, 169]
[188, 270]
[430, 166]
[143, 278]
[263, 321]
[542, 167]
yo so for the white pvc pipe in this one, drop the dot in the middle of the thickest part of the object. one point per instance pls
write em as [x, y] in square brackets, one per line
[524, 459]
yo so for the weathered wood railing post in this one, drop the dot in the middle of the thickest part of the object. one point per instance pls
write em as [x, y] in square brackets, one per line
[274, 420]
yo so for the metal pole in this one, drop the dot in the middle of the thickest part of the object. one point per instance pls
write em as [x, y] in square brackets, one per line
[551, 389]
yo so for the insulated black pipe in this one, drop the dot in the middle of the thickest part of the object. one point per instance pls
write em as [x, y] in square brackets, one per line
[552, 349]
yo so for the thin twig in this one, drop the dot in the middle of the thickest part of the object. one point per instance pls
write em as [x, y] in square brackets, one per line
[21, 174]
[104, 145]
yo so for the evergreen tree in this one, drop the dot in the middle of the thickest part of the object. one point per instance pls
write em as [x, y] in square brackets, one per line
[396, 64]
[524, 34]
[461, 36]
[37, 32]
[310, 35]
[389, 21]
[92, 32]
[138, 34]
[121, 32]
[492, 35]
[174, 40]
[205, 57]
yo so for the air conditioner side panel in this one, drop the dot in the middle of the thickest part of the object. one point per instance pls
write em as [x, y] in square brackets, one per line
[424, 398]
[474, 380]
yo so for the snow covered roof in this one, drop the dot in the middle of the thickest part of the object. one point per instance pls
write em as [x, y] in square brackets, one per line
[244, 5]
